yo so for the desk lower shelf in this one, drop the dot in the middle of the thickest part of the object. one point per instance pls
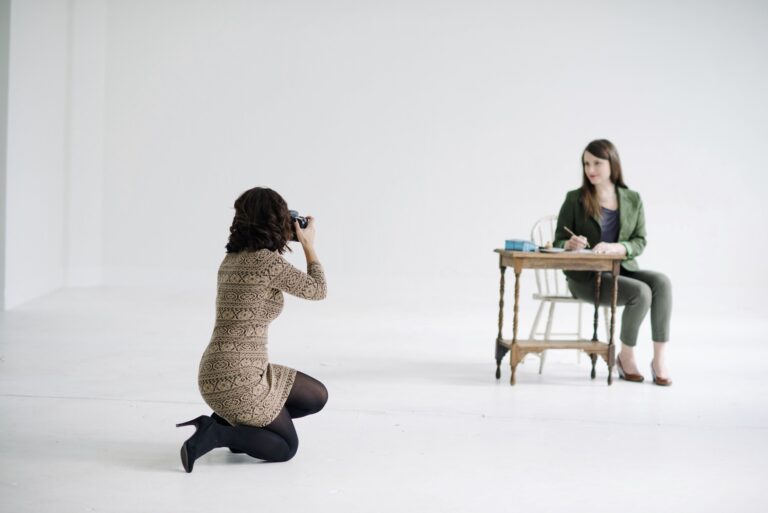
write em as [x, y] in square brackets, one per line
[519, 349]
[585, 345]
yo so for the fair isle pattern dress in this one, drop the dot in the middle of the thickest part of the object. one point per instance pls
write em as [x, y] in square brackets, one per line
[235, 377]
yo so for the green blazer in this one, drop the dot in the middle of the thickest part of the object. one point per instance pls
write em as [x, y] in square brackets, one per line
[631, 227]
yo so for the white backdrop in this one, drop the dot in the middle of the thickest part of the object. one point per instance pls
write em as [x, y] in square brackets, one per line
[421, 134]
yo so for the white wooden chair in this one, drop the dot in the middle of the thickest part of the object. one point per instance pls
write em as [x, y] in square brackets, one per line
[551, 290]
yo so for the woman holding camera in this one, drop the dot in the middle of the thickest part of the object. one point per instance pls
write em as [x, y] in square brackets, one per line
[253, 400]
[609, 218]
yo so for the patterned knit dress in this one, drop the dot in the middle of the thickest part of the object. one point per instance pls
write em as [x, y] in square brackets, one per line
[235, 377]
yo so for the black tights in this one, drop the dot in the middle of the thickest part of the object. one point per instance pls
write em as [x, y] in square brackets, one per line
[277, 441]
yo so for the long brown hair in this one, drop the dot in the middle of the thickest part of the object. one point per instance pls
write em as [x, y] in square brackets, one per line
[262, 221]
[602, 149]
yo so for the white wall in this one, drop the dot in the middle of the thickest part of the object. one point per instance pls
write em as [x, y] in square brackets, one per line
[54, 164]
[37, 152]
[85, 186]
[5, 21]
[423, 133]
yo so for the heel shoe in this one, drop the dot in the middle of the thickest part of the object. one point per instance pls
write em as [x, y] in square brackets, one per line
[218, 418]
[635, 378]
[201, 441]
[662, 382]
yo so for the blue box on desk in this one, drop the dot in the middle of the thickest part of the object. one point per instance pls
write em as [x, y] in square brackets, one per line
[519, 245]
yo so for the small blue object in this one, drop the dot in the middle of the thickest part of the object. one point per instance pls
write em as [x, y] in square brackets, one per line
[519, 245]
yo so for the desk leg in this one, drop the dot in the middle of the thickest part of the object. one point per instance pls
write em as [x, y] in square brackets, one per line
[598, 281]
[614, 299]
[598, 284]
[500, 350]
[513, 355]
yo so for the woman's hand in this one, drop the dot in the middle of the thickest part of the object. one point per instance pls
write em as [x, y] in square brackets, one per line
[307, 238]
[576, 243]
[611, 248]
[306, 235]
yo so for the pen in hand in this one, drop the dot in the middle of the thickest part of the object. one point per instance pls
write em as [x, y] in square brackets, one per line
[571, 232]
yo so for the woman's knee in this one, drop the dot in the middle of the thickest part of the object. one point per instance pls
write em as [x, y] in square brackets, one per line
[320, 396]
[661, 284]
[291, 448]
[311, 394]
[642, 295]
[315, 401]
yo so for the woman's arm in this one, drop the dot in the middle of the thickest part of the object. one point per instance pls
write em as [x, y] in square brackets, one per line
[636, 242]
[309, 285]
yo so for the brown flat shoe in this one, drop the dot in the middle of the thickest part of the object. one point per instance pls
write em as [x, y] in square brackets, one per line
[662, 382]
[635, 378]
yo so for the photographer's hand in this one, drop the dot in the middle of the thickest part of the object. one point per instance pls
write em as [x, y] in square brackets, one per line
[306, 237]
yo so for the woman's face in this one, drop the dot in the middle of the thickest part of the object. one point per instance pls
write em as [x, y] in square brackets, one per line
[597, 170]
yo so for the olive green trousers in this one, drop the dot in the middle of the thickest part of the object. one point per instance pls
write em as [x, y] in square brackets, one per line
[639, 291]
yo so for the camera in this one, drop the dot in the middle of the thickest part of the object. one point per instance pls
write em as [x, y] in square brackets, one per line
[303, 222]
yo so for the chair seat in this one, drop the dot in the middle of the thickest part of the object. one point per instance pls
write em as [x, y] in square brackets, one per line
[549, 281]
[559, 298]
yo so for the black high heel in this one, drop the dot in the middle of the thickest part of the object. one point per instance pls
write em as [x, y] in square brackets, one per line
[201, 441]
[194, 422]
[221, 420]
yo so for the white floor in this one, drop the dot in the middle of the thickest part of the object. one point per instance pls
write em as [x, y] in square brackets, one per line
[93, 381]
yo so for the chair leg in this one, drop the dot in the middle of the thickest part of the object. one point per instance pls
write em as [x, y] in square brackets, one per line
[536, 321]
[547, 333]
[578, 324]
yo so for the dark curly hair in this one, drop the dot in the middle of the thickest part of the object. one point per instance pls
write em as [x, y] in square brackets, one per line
[262, 221]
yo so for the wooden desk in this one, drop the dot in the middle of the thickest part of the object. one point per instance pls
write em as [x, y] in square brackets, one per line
[569, 261]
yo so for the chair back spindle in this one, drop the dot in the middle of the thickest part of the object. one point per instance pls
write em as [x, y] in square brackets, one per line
[549, 282]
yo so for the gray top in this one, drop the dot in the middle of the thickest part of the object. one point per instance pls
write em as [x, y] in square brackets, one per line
[609, 222]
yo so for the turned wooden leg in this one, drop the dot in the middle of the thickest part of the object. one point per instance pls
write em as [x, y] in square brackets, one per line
[517, 305]
[598, 279]
[611, 360]
[513, 354]
[614, 300]
[593, 357]
[500, 350]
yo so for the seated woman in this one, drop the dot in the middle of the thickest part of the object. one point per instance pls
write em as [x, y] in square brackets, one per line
[253, 400]
[609, 218]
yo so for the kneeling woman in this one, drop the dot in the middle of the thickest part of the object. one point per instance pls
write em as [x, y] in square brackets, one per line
[253, 400]
[610, 218]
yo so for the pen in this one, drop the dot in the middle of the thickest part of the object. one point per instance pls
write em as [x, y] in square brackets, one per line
[569, 231]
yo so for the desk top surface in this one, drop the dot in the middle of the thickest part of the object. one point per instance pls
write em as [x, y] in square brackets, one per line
[565, 255]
